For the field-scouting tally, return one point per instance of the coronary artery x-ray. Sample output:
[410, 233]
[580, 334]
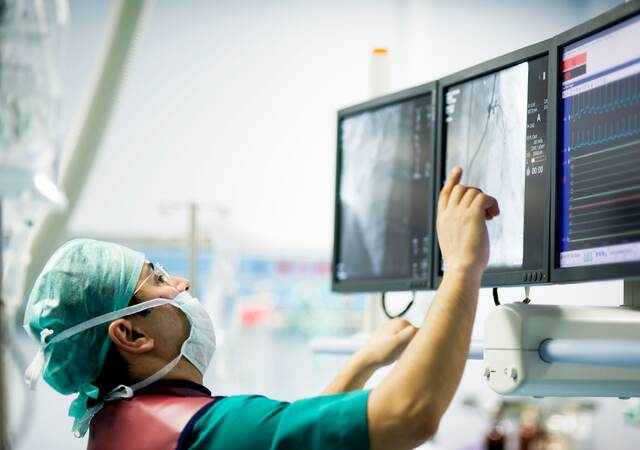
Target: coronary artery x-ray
[486, 128]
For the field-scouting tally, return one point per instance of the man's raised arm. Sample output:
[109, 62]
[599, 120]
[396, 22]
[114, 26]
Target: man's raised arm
[406, 408]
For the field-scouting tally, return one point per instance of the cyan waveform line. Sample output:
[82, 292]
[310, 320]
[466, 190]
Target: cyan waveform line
[604, 109]
[613, 137]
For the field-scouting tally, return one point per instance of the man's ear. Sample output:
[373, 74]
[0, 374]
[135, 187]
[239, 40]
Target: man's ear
[129, 338]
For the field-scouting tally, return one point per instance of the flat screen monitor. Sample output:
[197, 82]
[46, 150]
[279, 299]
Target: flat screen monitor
[383, 233]
[494, 125]
[597, 222]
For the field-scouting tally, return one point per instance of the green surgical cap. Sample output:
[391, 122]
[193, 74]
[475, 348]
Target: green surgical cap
[83, 279]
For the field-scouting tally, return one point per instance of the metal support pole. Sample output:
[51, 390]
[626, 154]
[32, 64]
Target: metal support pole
[476, 350]
[371, 313]
[350, 345]
[193, 246]
[597, 352]
[4, 415]
[632, 293]
[592, 352]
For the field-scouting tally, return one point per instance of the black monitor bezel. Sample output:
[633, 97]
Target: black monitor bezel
[518, 277]
[583, 273]
[380, 284]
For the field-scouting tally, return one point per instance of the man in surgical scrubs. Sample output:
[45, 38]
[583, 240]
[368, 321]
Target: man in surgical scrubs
[131, 342]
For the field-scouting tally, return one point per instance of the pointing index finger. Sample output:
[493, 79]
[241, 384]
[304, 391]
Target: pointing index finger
[452, 180]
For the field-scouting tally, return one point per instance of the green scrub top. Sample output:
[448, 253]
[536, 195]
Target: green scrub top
[254, 422]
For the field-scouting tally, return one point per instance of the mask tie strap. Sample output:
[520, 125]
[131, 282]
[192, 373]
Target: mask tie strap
[36, 368]
[108, 317]
[124, 391]
[120, 391]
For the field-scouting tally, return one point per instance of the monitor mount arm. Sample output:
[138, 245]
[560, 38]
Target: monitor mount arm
[552, 350]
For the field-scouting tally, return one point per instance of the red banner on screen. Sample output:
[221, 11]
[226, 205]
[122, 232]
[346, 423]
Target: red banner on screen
[574, 61]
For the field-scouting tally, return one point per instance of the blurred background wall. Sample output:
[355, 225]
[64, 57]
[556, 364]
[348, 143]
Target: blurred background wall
[232, 105]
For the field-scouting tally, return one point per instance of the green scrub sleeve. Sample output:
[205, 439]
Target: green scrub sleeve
[255, 422]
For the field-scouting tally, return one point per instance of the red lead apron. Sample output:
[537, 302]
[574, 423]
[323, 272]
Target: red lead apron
[153, 419]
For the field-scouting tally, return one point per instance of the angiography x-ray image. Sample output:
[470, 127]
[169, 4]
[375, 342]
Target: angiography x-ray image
[486, 126]
[375, 193]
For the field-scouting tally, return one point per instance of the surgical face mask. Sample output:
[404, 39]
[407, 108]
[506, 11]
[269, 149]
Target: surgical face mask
[201, 343]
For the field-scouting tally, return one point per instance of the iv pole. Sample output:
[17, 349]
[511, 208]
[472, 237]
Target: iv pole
[4, 416]
[83, 146]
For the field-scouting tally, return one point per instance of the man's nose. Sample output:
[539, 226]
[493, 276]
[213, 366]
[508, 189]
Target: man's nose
[181, 284]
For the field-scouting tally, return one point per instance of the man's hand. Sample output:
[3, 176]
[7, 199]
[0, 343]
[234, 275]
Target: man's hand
[462, 232]
[385, 346]
[387, 343]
